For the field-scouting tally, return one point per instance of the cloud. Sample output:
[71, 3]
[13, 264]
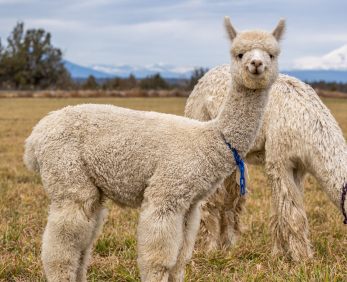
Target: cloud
[182, 32]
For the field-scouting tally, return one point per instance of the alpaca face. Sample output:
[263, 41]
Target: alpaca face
[254, 54]
[255, 67]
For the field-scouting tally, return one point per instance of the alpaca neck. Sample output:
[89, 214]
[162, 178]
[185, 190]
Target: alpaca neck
[329, 166]
[241, 116]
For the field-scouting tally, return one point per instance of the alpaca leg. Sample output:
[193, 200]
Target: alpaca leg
[67, 235]
[233, 209]
[191, 228]
[160, 237]
[213, 217]
[221, 214]
[208, 238]
[85, 254]
[288, 220]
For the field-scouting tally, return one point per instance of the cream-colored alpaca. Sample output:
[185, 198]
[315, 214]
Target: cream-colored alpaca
[166, 164]
[298, 136]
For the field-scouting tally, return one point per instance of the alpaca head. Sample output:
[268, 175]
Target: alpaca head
[254, 55]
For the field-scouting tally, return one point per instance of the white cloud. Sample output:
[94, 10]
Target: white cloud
[182, 69]
[55, 24]
[14, 1]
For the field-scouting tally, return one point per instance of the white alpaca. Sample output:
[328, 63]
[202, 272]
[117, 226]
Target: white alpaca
[298, 136]
[166, 164]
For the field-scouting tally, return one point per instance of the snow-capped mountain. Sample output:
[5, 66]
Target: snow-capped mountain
[123, 70]
[78, 71]
[330, 67]
[335, 60]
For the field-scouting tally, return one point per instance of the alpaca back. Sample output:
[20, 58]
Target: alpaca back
[122, 151]
[299, 110]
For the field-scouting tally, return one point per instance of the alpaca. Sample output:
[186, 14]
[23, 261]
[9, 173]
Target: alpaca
[298, 136]
[164, 163]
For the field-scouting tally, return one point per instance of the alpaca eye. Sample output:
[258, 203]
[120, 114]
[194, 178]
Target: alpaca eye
[240, 56]
[271, 56]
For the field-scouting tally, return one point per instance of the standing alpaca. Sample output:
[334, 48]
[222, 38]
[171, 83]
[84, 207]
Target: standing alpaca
[166, 164]
[298, 136]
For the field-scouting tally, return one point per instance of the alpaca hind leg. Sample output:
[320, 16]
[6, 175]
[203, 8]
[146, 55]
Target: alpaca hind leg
[191, 228]
[288, 220]
[160, 237]
[214, 220]
[68, 233]
[221, 224]
[208, 238]
[85, 254]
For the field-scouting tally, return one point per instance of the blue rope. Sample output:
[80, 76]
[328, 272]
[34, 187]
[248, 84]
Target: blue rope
[241, 165]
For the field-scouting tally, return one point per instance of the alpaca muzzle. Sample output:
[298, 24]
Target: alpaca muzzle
[256, 66]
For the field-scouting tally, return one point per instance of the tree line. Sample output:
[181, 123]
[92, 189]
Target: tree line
[155, 82]
[329, 86]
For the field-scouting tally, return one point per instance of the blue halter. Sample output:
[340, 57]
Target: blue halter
[241, 165]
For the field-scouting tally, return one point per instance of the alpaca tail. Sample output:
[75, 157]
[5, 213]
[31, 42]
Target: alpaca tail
[29, 158]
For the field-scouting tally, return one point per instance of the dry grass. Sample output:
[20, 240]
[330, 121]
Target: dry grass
[24, 206]
[330, 94]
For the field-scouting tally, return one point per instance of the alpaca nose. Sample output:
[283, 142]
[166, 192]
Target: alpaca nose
[257, 63]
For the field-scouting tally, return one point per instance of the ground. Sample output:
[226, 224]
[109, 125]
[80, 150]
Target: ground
[24, 207]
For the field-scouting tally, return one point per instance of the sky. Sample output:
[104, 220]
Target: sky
[181, 33]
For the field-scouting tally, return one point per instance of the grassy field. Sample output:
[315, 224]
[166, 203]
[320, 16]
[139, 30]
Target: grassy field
[24, 207]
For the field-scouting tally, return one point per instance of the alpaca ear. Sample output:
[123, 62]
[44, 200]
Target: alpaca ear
[231, 31]
[279, 30]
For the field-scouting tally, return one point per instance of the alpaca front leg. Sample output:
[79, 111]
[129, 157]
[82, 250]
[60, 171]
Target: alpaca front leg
[160, 237]
[68, 233]
[288, 220]
[191, 228]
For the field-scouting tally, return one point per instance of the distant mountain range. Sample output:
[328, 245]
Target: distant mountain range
[78, 71]
[165, 70]
[330, 67]
[107, 71]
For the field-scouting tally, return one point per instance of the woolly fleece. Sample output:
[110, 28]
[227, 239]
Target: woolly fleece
[298, 136]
